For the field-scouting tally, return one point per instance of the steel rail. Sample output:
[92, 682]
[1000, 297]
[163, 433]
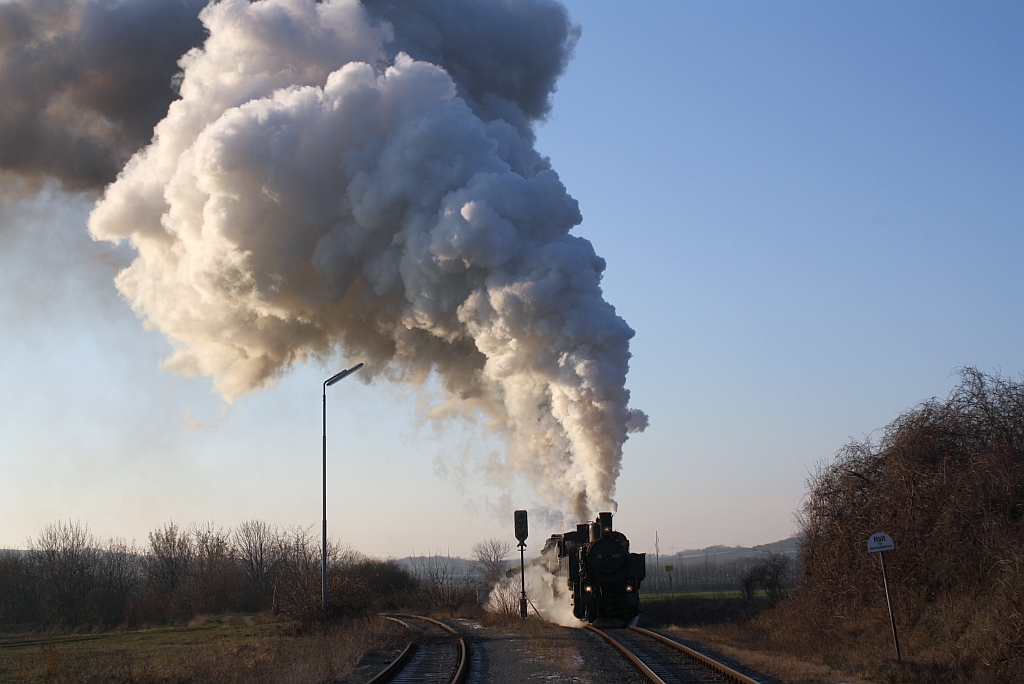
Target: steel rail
[639, 664]
[710, 662]
[462, 665]
[396, 664]
[432, 621]
[394, 619]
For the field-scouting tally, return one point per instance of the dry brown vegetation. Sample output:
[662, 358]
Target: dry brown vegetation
[946, 481]
[227, 650]
[71, 606]
[68, 580]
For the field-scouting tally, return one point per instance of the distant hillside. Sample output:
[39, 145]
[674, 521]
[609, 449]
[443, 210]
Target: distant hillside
[725, 554]
[713, 554]
[446, 565]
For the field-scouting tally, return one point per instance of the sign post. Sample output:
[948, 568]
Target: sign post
[879, 543]
[522, 532]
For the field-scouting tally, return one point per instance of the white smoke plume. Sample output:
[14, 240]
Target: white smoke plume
[548, 594]
[551, 596]
[313, 190]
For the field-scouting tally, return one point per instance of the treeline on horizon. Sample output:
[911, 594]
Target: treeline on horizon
[68, 579]
[771, 572]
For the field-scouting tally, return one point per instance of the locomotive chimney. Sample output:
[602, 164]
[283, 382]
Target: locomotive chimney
[606, 522]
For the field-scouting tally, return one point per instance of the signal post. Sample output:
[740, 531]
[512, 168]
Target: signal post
[522, 532]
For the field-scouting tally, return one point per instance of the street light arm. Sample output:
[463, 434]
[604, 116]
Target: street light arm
[342, 375]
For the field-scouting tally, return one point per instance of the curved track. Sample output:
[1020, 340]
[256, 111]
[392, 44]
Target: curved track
[436, 655]
[665, 661]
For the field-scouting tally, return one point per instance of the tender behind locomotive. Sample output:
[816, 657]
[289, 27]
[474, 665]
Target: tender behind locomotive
[603, 577]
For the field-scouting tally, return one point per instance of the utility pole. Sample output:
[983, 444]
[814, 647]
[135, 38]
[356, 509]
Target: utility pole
[657, 563]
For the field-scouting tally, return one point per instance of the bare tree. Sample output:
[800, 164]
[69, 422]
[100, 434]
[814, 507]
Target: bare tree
[254, 543]
[67, 561]
[18, 589]
[166, 567]
[212, 577]
[774, 574]
[491, 558]
[749, 573]
[118, 579]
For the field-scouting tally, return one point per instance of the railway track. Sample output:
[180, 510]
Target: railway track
[437, 654]
[664, 661]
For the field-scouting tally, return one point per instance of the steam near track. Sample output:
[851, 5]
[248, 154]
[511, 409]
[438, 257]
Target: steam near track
[362, 178]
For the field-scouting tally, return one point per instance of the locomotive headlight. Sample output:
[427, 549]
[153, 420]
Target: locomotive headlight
[588, 589]
[629, 587]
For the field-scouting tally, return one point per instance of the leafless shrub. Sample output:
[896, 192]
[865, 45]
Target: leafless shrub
[298, 577]
[385, 584]
[504, 597]
[443, 584]
[946, 481]
[769, 573]
[297, 574]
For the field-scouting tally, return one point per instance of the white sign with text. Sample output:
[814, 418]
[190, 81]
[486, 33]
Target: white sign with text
[880, 541]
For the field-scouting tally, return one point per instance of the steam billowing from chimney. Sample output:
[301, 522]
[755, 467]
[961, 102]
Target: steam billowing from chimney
[362, 178]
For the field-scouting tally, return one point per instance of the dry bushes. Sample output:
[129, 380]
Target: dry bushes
[444, 585]
[258, 654]
[946, 481]
[69, 580]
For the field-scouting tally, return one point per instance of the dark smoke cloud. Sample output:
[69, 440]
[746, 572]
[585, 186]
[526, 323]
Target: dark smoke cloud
[505, 55]
[82, 84]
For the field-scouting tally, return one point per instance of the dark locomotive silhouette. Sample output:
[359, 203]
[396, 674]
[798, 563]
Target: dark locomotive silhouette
[603, 577]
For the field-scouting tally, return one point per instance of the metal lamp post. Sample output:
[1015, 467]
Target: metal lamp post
[323, 568]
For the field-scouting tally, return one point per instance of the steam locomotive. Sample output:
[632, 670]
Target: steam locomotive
[601, 574]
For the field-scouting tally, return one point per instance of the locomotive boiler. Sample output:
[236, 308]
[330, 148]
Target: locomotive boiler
[602, 576]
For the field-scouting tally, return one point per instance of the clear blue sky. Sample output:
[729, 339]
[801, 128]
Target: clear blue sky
[812, 213]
